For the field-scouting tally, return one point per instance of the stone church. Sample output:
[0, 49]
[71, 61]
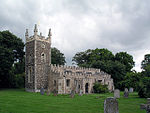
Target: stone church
[40, 73]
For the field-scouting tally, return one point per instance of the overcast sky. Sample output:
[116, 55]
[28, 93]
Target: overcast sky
[78, 25]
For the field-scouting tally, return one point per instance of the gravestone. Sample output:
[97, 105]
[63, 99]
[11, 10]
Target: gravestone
[126, 89]
[131, 90]
[80, 93]
[146, 106]
[117, 93]
[72, 93]
[55, 92]
[42, 91]
[126, 93]
[111, 105]
[148, 100]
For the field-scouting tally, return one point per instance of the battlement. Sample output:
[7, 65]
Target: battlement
[38, 37]
[79, 71]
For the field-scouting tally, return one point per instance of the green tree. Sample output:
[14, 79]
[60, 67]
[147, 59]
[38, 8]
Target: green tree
[125, 59]
[132, 79]
[144, 89]
[82, 58]
[57, 57]
[90, 57]
[144, 85]
[146, 61]
[11, 51]
[104, 59]
[146, 71]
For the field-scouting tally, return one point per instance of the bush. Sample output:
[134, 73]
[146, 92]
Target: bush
[19, 80]
[99, 88]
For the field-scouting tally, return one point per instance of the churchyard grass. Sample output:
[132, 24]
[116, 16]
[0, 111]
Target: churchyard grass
[19, 101]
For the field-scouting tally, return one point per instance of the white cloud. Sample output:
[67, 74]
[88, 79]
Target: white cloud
[83, 24]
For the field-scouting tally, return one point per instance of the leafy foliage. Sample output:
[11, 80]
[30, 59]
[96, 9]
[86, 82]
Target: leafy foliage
[57, 57]
[116, 65]
[132, 79]
[144, 89]
[146, 71]
[126, 60]
[146, 61]
[11, 52]
[99, 88]
[144, 84]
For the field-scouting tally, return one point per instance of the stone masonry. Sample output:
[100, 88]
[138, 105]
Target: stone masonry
[40, 73]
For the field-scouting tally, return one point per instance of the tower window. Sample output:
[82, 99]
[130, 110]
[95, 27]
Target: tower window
[30, 58]
[43, 57]
[68, 82]
[29, 74]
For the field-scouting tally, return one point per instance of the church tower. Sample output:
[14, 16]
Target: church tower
[37, 60]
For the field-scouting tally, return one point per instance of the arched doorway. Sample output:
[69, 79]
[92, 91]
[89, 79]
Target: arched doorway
[86, 88]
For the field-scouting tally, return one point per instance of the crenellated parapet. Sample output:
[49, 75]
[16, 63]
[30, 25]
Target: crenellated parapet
[38, 37]
[64, 70]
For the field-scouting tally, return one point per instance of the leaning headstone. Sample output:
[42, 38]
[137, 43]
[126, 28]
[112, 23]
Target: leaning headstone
[131, 90]
[117, 93]
[80, 93]
[72, 93]
[111, 105]
[126, 93]
[42, 91]
[146, 106]
[55, 92]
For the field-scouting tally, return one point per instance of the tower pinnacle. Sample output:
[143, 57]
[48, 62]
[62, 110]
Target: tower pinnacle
[26, 33]
[49, 34]
[35, 29]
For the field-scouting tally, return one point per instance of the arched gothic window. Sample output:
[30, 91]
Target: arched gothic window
[54, 82]
[68, 82]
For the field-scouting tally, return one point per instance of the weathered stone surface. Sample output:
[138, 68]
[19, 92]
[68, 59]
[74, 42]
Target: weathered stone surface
[148, 100]
[80, 93]
[42, 91]
[117, 93]
[111, 105]
[48, 92]
[126, 93]
[131, 90]
[126, 90]
[72, 93]
[146, 106]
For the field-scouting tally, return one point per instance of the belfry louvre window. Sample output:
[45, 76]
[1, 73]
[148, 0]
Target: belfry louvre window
[43, 57]
[29, 74]
[68, 82]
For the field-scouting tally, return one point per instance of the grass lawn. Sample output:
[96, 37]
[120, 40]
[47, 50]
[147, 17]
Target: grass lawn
[19, 101]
